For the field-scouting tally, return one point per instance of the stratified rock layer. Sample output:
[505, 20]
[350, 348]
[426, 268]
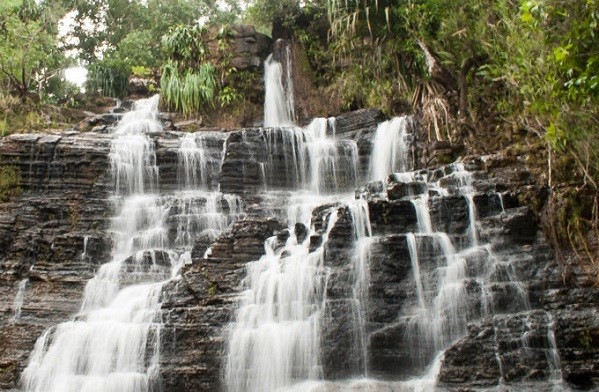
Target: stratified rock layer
[64, 204]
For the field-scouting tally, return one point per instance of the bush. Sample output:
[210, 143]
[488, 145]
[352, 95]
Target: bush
[109, 77]
[190, 90]
[10, 178]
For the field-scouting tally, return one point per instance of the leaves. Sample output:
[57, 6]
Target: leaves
[184, 43]
[188, 91]
[29, 55]
[109, 77]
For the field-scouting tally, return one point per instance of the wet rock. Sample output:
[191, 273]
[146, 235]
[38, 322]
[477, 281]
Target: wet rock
[198, 306]
[53, 233]
[522, 227]
[402, 189]
[352, 122]
[202, 243]
[450, 214]
[301, 232]
[396, 216]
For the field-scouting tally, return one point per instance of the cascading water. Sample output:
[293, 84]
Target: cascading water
[113, 344]
[275, 342]
[198, 203]
[18, 302]
[391, 148]
[279, 108]
[428, 251]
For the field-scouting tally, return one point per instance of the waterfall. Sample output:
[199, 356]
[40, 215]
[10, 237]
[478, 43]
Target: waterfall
[198, 204]
[320, 270]
[113, 343]
[18, 301]
[390, 151]
[274, 342]
[279, 106]
[312, 160]
[275, 338]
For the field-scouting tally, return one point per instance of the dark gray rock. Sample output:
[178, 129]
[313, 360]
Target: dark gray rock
[62, 205]
[199, 306]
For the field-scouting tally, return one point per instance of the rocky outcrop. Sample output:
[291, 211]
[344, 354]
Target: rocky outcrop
[200, 304]
[54, 235]
[246, 48]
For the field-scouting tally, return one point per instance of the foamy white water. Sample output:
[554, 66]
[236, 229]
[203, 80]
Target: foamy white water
[18, 301]
[275, 340]
[113, 344]
[391, 151]
[279, 108]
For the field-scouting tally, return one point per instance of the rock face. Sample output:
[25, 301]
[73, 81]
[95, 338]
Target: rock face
[201, 304]
[247, 48]
[54, 235]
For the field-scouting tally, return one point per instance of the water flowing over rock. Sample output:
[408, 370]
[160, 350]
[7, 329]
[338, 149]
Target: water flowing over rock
[279, 109]
[317, 258]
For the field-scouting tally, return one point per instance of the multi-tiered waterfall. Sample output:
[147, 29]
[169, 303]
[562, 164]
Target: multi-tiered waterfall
[113, 344]
[377, 272]
[276, 342]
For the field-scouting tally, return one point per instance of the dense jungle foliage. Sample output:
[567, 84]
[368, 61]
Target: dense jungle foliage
[513, 75]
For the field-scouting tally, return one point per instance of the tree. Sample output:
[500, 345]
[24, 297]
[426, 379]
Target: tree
[29, 53]
[134, 28]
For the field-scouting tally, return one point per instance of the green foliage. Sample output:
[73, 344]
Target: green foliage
[189, 82]
[62, 92]
[109, 77]
[10, 178]
[29, 55]
[141, 71]
[228, 96]
[263, 13]
[184, 44]
[188, 91]
[138, 48]
[137, 26]
[212, 289]
[4, 127]
[357, 88]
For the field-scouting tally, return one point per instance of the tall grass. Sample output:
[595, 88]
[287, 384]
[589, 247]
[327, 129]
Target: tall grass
[109, 77]
[189, 91]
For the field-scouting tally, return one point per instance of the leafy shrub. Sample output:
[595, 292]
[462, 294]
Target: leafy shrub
[109, 77]
[10, 177]
[141, 71]
[188, 91]
[184, 44]
[229, 95]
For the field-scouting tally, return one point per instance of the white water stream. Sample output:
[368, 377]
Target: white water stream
[18, 301]
[275, 340]
[274, 343]
[113, 344]
[279, 110]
